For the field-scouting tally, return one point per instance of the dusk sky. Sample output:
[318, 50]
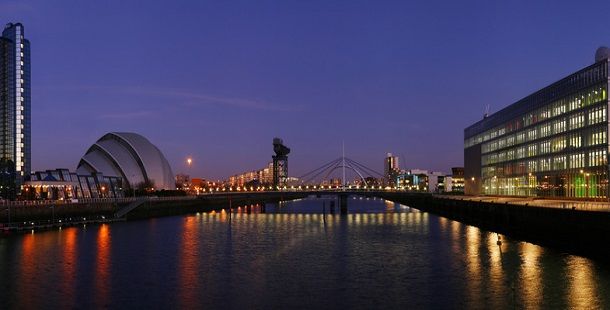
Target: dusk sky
[217, 80]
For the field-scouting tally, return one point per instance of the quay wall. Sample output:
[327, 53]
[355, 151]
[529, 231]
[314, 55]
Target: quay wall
[41, 211]
[574, 231]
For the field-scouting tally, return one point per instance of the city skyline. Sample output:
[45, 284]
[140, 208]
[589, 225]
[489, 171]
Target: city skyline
[221, 104]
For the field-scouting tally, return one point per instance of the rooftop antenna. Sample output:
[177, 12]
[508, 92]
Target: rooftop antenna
[486, 111]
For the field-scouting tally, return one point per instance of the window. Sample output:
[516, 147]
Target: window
[531, 166]
[559, 108]
[559, 162]
[521, 152]
[598, 138]
[501, 156]
[575, 141]
[545, 113]
[597, 115]
[531, 135]
[545, 130]
[558, 144]
[545, 147]
[521, 137]
[575, 103]
[531, 150]
[597, 158]
[559, 126]
[577, 160]
[577, 121]
[544, 164]
[501, 143]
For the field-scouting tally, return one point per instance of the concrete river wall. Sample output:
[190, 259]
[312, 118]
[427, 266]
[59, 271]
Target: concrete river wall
[566, 229]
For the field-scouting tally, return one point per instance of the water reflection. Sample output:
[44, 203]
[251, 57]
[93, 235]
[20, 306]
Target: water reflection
[583, 292]
[102, 270]
[497, 278]
[68, 264]
[473, 263]
[530, 276]
[387, 256]
[27, 270]
[188, 261]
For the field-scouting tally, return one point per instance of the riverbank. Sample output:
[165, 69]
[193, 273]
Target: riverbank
[41, 215]
[571, 230]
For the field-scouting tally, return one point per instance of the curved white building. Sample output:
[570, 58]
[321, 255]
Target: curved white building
[130, 156]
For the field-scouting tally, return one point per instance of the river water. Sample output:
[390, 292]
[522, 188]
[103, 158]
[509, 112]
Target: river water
[382, 255]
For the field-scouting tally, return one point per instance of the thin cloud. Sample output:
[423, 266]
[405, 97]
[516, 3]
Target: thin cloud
[206, 99]
[193, 98]
[12, 7]
[127, 115]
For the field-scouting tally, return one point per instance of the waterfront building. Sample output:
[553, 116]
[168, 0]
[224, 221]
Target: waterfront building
[444, 184]
[61, 184]
[456, 180]
[131, 157]
[391, 168]
[420, 180]
[553, 142]
[413, 181]
[15, 101]
[262, 177]
[183, 181]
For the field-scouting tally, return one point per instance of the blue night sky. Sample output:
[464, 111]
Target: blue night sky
[217, 80]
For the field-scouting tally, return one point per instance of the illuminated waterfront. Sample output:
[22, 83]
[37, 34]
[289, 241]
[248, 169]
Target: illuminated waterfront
[382, 255]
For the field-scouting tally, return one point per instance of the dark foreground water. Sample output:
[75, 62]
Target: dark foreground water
[383, 256]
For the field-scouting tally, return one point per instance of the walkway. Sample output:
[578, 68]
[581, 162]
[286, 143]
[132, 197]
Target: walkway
[601, 206]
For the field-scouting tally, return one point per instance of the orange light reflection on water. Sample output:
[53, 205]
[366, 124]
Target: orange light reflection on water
[102, 269]
[530, 278]
[473, 262]
[497, 283]
[27, 265]
[188, 260]
[583, 292]
[69, 256]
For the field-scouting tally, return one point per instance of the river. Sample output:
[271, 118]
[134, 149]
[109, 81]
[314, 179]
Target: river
[382, 255]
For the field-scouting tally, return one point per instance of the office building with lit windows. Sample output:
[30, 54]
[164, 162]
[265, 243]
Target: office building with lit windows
[391, 169]
[15, 114]
[552, 143]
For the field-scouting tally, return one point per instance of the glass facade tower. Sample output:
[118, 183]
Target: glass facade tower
[552, 143]
[15, 100]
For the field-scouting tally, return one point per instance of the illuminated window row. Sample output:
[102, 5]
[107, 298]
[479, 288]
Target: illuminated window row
[595, 116]
[595, 158]
[555, 109]
[572, 141]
